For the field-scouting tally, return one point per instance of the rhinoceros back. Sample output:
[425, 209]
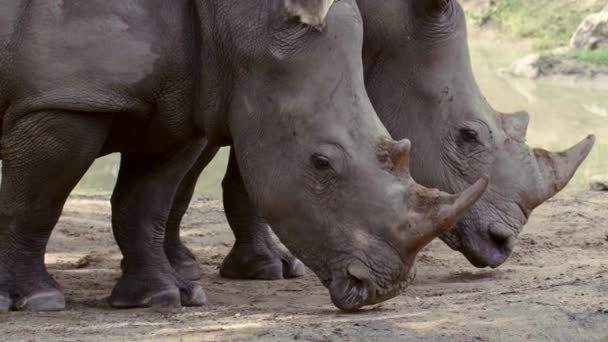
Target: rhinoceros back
[124, 57]
[95, 55]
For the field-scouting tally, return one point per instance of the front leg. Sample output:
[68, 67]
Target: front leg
[256, 254]
[44, 155]
[141, 203]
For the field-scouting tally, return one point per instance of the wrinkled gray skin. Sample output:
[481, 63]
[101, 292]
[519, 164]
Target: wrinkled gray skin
[419, 77]
[158, 81]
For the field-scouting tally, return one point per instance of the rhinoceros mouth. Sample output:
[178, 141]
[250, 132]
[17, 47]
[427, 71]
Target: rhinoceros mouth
[350, 293]
[491, 249]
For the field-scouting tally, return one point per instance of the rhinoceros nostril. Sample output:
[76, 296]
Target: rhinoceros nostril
[357, 289]
[503, 238]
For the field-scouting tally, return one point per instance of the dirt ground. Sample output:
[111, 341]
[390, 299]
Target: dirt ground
[554, 288]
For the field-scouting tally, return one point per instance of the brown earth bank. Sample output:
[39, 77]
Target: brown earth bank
[554, 288]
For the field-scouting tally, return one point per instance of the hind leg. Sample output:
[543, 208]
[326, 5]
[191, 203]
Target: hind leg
[141, 204]
[44, 156]
[180, 257]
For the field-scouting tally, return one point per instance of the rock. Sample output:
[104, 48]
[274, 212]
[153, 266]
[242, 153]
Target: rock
[599, 183]
[528, 67]
[592, 33]
[86, 261]
[555, 63]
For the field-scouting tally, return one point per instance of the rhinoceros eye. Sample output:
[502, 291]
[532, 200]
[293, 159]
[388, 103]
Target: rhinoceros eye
[469, 136]
[320, 162]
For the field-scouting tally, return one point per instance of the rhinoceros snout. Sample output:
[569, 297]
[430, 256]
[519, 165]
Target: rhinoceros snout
[491, 249]
[503, 237]
[358, 287]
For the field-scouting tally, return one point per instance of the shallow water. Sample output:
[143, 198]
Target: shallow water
[562, 113]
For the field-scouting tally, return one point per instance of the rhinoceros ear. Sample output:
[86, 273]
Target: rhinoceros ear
[310, 12]
[516, 125]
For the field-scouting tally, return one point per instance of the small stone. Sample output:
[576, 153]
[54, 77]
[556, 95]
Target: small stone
[85, 261]
[237, 315]
[599, 183]
[527, 67]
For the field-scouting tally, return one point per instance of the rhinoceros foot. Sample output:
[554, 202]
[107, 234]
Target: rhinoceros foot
[142, 289]
[261, 261]
[43, 300]
[182, 260]
[29, 288]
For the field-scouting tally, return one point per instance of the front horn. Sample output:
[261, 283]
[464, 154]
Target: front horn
[428, 212]
[556, 169]
[433, 212]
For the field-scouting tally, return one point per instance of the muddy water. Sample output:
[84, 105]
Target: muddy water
[562, 111]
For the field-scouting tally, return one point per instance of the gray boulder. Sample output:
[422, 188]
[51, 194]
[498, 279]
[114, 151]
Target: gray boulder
[592, 33]
[599, 183]
[555, 63]
[530, 66]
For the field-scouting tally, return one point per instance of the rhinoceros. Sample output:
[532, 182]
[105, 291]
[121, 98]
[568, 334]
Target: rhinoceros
[418, 75]
[281, 81]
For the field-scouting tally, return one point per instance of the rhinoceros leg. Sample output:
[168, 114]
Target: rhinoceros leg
[44, 156]
[180, 257]
[141, 204]
[255, 254]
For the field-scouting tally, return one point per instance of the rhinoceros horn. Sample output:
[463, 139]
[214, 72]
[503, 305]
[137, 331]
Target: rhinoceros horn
[557, 169]
[428, 212]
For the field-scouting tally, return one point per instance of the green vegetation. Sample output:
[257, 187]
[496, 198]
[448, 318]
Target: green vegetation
[548, 23]
[599, 56]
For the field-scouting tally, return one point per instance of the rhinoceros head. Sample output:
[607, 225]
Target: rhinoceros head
[419, 78]
[315, 159]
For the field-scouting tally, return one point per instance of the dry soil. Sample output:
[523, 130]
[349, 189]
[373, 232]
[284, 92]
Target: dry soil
[554, 288]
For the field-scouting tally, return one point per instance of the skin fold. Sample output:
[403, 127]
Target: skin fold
[166, 82]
